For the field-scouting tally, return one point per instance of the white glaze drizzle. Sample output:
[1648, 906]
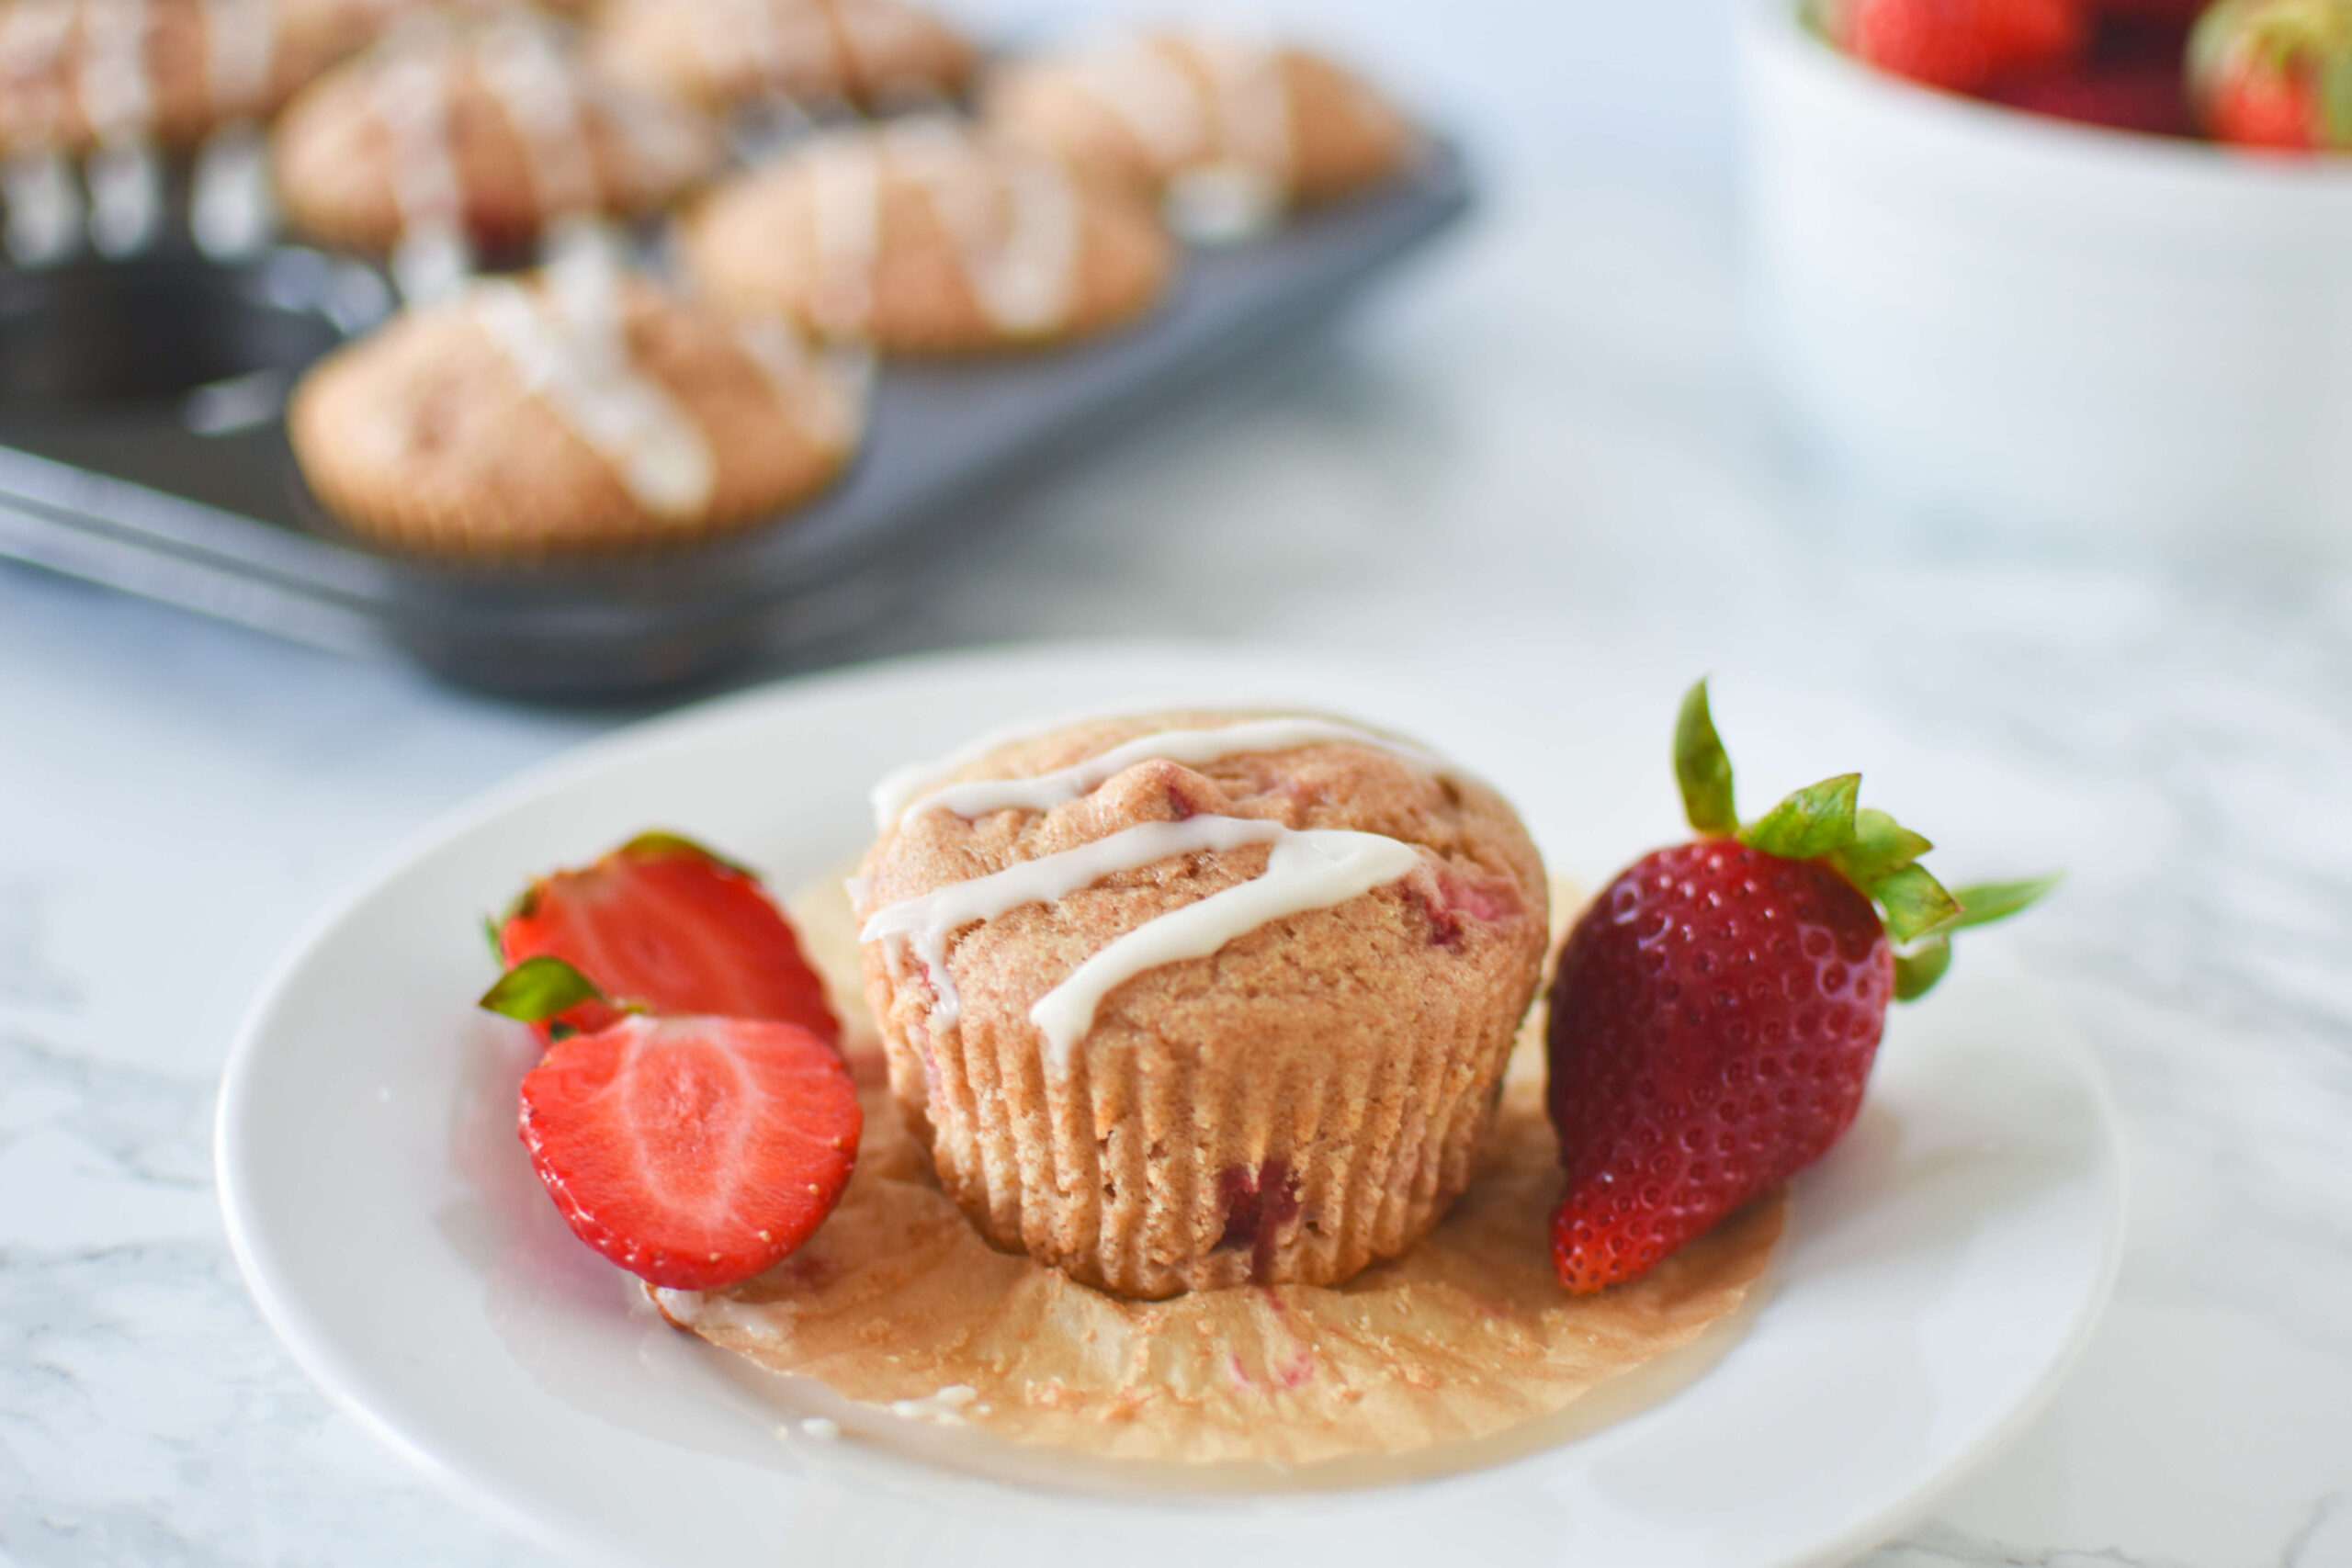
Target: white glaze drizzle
[1251, 92]
[924, 923]
[1152, 96]
[824, 398]
[568, 345]
[44, 208]
[125, 175]
[774, 33]
[411, 98]
[1013, 220]
[126, 181]
[896, 799]
[517, 59]
[1305, 869]
[232, 210]
[1239, 114]
[1308, 869]
[117, 97]
[240, 48]
[845, 214]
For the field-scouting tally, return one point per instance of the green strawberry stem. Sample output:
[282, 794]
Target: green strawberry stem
[1867, 847]
[661, 841]
[538, 989]
[1702, 767]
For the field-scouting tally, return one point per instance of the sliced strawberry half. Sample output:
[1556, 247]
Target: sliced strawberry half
[666, 925]
[693, 1152]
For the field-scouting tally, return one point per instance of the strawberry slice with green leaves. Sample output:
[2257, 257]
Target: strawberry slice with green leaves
[1716, 1010]
[694, 1152]
[673, 928]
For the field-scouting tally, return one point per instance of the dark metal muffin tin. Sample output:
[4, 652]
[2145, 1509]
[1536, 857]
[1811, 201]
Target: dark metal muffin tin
[140, 448]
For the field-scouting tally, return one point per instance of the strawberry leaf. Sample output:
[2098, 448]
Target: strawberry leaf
[662, 842]
[1982, 903]
[1881, 847]
[1915, 902]
[489, 928]
[1703, 768]
[1817, 820]
[1917, 971]
[539, 988]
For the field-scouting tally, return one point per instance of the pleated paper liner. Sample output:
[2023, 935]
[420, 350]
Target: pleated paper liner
[1463, 1351]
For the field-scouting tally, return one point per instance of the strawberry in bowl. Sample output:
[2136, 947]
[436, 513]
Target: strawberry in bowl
[1716, 1009]
[2275, 74]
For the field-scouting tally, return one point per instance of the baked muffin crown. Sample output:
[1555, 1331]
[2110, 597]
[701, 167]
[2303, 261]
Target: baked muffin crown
[719, 53]
[923, 236]
[480, 130]
[80, 73]
[563, 414]
[1230, 129]
[1292, 946]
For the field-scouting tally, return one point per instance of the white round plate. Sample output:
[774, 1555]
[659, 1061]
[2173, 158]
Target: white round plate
[1941, 1269]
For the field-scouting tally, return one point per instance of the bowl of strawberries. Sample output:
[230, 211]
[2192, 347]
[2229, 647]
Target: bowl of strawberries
[2064, 271]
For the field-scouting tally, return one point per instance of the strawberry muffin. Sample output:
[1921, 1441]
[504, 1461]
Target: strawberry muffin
[718, 53]
[1229, 132]
[919, 237]
[458, 134]
[79, 75]
[583, 409]
[1201, 1000]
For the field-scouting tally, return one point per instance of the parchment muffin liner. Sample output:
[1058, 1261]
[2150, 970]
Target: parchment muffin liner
[1316, 1163]
[900, 1303]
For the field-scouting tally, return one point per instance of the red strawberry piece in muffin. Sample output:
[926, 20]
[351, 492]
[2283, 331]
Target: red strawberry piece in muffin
[1715, 1011]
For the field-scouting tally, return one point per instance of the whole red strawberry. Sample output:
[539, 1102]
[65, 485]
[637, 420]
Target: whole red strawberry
[665, 924]
[1958, 45]
[1716, 1010]
[2275, 74]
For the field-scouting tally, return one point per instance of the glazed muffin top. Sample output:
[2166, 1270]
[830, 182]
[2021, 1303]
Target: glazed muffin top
[580, 410]
[1199, 875]
[1230, 129]
[80, 73]
[482, 129]
[717, 53]
[921, 236]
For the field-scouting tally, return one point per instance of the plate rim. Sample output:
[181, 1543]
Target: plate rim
[314, 1348]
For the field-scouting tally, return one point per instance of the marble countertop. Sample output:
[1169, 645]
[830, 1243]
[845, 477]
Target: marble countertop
[1539, 461]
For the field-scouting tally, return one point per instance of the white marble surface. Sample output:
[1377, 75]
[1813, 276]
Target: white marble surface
[1539, 461]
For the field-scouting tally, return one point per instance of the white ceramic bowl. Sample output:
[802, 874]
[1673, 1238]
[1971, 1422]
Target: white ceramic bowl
[2029, 329]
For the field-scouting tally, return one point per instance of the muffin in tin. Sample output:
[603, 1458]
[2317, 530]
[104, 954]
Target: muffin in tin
[476, 133]
[921, 236]
[818, 53]
[1198, 999]
[75, 74]
[578, 410]
[1232, 132]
